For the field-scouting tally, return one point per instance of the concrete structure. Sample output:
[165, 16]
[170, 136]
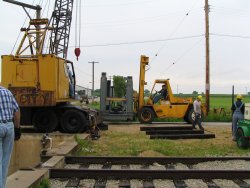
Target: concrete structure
[29, 147]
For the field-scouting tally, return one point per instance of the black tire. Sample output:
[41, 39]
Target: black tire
[73, 121]
[190, 117]
[242, 141]
[146, 115]
[45, 121]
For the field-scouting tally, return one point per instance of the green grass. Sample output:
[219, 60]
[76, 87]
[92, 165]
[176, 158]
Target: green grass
[114, 143]
[224, 101]
[45, 183]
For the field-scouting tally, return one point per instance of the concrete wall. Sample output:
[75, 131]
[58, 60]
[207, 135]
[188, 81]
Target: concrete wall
[26, 151]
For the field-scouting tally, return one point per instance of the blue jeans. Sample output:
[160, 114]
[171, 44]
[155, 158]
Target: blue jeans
[236, 118]
[197, 120]
[6, 145]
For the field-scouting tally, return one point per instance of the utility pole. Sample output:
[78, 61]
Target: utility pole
[93, 76]
[207, 57]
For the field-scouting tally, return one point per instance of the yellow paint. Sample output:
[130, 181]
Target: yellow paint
[174, 107]
[46, 73]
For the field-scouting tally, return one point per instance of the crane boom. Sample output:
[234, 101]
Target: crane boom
[61, 23]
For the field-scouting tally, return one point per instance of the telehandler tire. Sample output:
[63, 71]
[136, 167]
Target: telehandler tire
[45, 121]
[190, 117]
[146, 115]
[73, 121]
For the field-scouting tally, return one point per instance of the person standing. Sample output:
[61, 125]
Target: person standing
[197, 111]
[9, 118]
[238, 109]
[71, 82]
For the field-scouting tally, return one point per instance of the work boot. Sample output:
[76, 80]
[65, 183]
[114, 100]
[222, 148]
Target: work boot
[201, 128]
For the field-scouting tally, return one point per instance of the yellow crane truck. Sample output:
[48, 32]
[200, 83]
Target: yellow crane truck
[172, 107]
[39, 80]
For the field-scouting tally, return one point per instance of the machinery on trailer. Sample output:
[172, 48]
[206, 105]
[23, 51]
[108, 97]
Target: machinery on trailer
[148, 109]
[40, 81]
[243, 130]
[113, 108]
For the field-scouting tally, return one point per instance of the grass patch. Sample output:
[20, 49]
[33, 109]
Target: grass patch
[136, 143]
[45, 183]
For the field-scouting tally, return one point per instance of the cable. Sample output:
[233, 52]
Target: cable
[181, 56]
[129, 21]
[76, 23]
[80, 16]
[120, 4]
[139, 42]
[228, 35]
[175, 30]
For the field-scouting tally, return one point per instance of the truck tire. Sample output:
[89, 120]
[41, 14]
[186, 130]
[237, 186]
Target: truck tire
[190, 117]
[73, 121]
[146, 115]
[242, 142]
[45, 121]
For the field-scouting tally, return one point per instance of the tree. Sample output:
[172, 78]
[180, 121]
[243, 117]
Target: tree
[119, 86]
[195, 93]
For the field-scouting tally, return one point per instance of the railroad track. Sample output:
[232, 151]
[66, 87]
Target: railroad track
[151, 172]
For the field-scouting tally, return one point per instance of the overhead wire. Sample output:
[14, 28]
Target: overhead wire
[140, 42]
[119, 4]
[175, 30]
[229, 35]
[182, 55]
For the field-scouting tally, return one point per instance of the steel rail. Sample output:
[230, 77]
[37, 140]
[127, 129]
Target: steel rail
[149, 174]
[146, 160]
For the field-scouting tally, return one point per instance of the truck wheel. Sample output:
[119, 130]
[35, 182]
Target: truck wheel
[45, 121]
[190, 117]
[242, 142]
[73, 121]
[146, 115]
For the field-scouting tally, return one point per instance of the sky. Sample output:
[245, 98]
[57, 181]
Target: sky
[116, 33]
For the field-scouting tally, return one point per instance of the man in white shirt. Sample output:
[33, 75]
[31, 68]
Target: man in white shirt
[197, 111]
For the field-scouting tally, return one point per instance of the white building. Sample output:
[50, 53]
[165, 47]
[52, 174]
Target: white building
[83, 90]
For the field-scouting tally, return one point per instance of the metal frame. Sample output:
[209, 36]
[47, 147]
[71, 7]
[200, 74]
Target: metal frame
[61, 22]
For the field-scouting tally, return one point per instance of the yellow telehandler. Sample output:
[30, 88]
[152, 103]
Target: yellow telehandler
[171, 107]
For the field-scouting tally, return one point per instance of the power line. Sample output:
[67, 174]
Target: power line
[139, 42]
[176, 29]
[229, 35]
[119, 4]
[181, 56]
